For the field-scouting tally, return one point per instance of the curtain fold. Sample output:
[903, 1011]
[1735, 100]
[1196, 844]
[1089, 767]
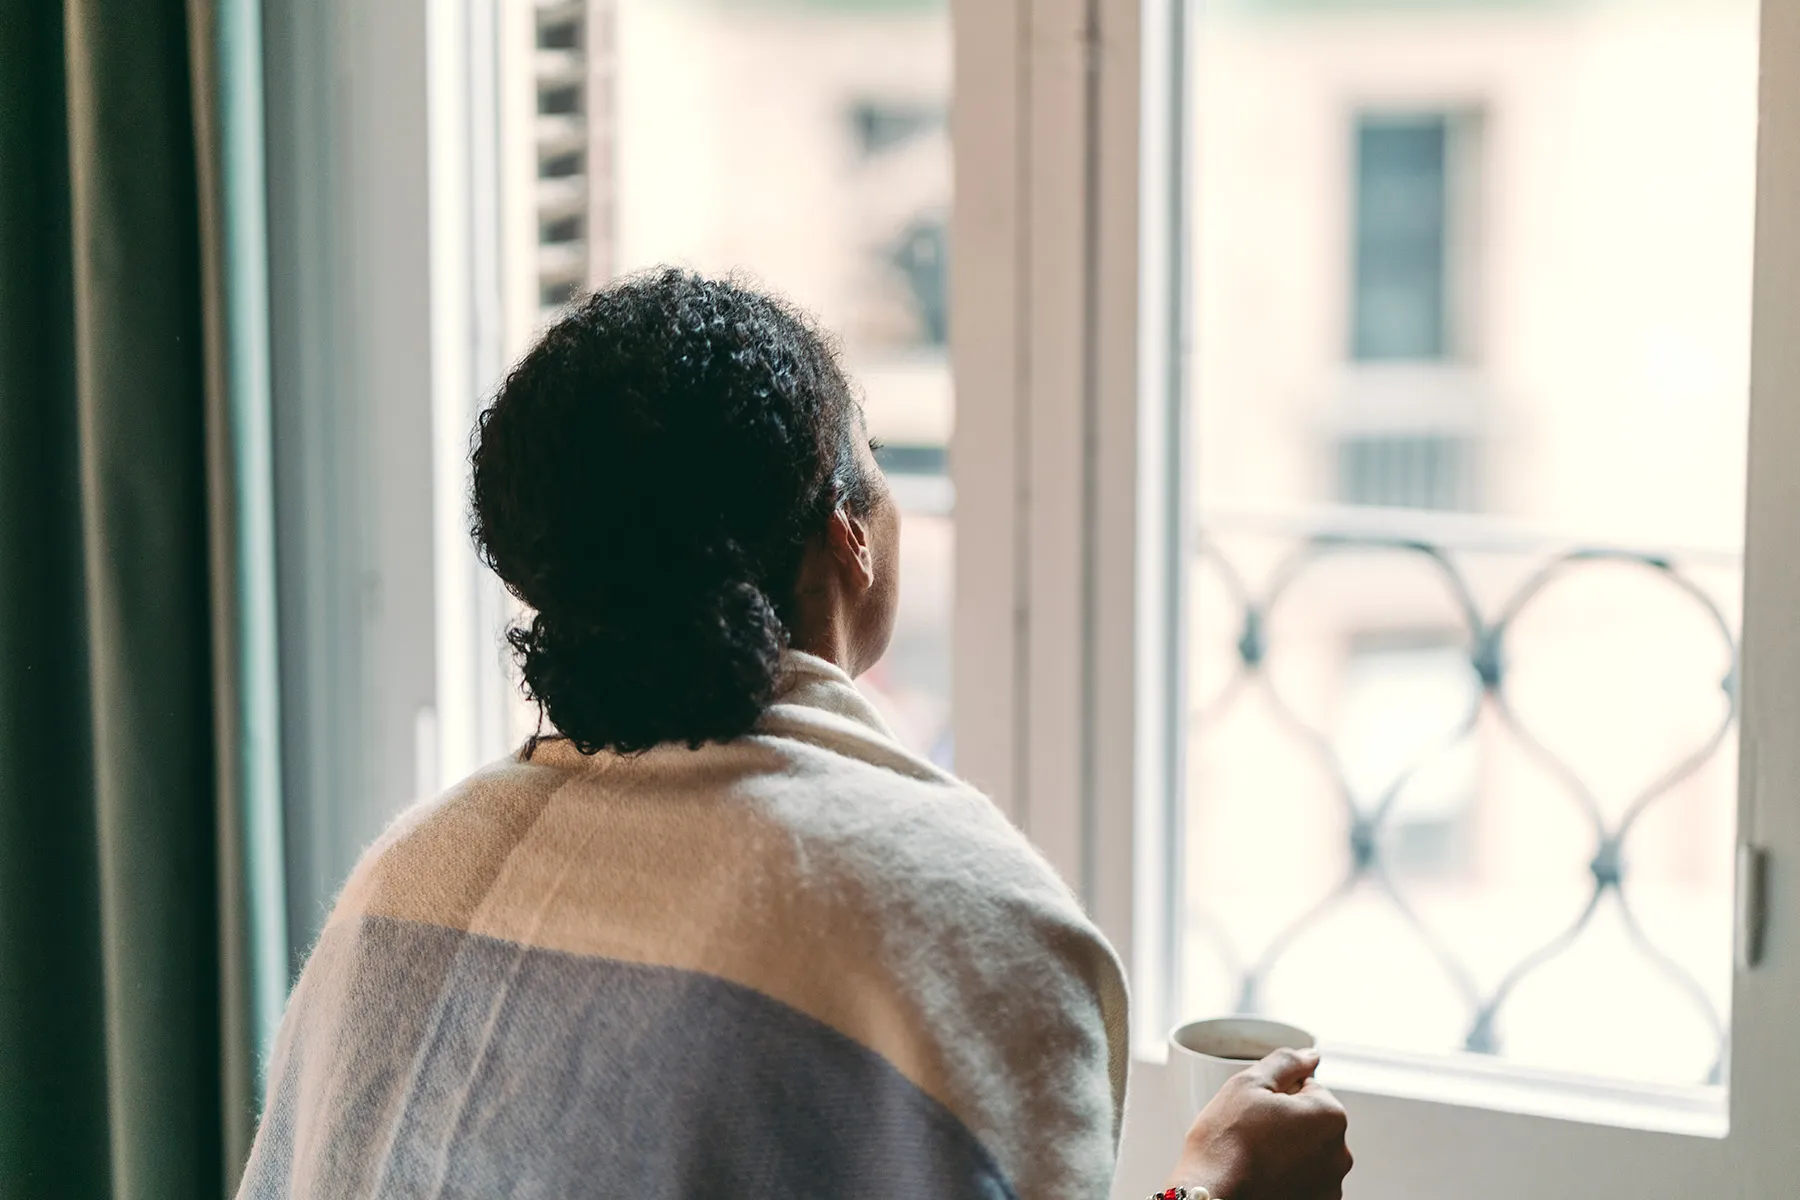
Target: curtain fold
[225, 53]
[53, 1129]
[135, 733]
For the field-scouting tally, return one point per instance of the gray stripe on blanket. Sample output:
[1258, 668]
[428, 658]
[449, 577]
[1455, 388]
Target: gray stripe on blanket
[462, 1065]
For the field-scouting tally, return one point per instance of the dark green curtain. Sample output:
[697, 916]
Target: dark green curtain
[127, 1012]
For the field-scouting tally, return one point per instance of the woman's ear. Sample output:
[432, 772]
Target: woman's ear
[848, 537]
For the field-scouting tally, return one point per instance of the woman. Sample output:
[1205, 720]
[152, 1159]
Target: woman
[716, 933]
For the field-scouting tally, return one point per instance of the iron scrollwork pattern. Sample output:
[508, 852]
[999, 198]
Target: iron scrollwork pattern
[1487, 645]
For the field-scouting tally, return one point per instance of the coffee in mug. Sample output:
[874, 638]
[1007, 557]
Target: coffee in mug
[1204, 1054]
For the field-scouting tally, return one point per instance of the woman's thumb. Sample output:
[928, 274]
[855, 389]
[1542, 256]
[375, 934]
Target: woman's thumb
[1287, 1070]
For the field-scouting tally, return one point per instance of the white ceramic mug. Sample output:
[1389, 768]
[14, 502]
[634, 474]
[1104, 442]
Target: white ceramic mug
[1204, 1054]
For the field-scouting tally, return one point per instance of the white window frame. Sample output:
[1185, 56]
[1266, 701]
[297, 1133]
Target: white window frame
[1067, 313]
[350, 173]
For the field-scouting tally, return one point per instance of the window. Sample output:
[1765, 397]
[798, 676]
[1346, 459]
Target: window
[1461, 782]
[1449, 770]
[881, 127]
[1402, 250]
[1573, 740]
[890, 138]
[920, 253]
[1345, 545]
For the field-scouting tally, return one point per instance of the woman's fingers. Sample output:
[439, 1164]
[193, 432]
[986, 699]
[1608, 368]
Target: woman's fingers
[1286, 1070]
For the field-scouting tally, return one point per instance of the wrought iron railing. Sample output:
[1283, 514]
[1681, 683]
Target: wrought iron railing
[1443, 545]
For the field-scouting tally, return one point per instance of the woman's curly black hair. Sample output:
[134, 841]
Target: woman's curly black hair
[647, 480]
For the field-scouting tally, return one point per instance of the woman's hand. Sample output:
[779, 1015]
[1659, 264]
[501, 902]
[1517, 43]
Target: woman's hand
[1272, 1133]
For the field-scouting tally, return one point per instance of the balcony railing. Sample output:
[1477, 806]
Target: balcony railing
[1494, 584]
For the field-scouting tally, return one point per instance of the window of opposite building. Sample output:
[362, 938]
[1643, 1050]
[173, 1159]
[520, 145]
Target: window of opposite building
[1400, 291]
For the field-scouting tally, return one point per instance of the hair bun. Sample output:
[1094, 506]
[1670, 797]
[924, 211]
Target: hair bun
[706, 665]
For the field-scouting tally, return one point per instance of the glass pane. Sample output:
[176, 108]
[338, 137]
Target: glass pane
[801, 143]
[1401, 236]
[1471, 302]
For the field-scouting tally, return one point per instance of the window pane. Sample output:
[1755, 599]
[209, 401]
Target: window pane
[1471, 302]
[803, 143]
[1400, 236]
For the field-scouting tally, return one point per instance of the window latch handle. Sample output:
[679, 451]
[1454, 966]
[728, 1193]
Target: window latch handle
[1752, 905]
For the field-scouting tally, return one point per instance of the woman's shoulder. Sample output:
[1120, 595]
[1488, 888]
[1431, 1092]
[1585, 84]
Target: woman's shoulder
[917, 847]
[436, 858]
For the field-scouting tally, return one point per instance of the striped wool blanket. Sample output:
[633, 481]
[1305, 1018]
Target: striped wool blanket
[805, 963]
